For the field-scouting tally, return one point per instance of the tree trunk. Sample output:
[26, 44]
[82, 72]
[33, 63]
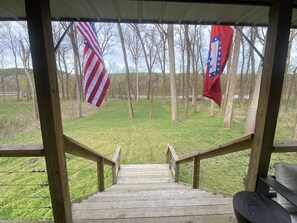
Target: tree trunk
[294, 137]
[73, 38]
[151, 96]
[253, 65]
[61, 76]
[251, 117]
[292, 81]
[174, 112]
[246, 79]
[292, 85]
[287, 79]
[137, 81]
[212, 107]
[229, 100]
[195, 74]
[241, 89]
[3, 89]
[188, 50]
[31, 83]
[17, 77]
[130, 107]
[229, 63]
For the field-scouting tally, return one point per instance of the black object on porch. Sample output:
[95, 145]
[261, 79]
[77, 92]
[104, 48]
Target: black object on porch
[251, 207]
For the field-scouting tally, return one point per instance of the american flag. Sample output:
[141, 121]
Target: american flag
[96, 79]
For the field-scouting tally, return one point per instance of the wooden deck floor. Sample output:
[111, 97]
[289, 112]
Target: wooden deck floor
[147, 193]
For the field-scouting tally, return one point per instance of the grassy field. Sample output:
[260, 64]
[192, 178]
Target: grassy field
[143, 140]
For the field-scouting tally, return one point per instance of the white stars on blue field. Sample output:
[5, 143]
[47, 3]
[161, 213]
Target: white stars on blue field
[214, 56]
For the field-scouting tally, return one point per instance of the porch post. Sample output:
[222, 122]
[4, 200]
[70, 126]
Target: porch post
[271, 88]
[45, 74]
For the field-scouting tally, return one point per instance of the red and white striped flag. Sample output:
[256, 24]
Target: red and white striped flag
[96, 79]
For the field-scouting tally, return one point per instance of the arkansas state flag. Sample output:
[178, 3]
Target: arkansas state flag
[219, 48]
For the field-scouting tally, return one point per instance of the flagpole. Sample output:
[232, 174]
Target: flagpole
[250, 42]
[62, 37]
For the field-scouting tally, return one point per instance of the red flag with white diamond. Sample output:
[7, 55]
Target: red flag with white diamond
[219, 49]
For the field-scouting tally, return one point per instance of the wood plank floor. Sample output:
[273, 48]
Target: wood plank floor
[148, 194]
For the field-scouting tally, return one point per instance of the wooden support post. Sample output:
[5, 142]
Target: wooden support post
[45, 75]
[100, 172]
[176, 176]
[169, 160]
[114, 173]
[196, 172]
[271, 88]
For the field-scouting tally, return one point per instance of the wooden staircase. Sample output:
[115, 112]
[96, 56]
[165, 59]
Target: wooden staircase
[148, 193]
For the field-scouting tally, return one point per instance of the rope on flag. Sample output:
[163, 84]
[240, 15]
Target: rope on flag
[219, 49]
[96, 79]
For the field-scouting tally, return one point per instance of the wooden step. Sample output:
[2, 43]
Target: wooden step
[149, 203]
[153, 212]
[148, 193]
[215, 218]
[151, 195]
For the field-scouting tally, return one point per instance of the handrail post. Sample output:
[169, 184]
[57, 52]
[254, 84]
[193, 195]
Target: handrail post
[176, 177]
[196, 171]
[114, 174]
[119, 160]
[169, 160]
[117, 164]
[100, 173]
[168, 157]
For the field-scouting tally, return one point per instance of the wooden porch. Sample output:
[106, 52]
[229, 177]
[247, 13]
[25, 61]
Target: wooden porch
[38, 15]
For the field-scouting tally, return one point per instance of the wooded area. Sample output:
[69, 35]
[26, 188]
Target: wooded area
[160, 61]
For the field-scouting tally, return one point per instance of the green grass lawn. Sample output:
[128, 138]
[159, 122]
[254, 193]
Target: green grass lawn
[143, 140]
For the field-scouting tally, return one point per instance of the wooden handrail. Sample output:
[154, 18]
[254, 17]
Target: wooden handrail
[171, 159]
[115, 168]
[237, 145]
[21, 150]
[78, 149]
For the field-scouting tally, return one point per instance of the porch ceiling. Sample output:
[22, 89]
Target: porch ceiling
[232, 12]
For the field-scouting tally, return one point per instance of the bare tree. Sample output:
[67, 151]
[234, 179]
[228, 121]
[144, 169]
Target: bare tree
[188, 52]
[77, 70]
[162, 56]
[25, 57]
[241, 87]
[134, 46]
[57, 32]
[14, 47]
[232, 84]
[196, 54]
[149, 51]
[292, 79]
[170, 36]
[2, 73]
[130, 107]
[181, 43]
[106, 33]
[288, 78]
[251, 117]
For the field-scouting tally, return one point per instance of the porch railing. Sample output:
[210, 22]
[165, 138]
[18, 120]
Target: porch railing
[72, 147]
[237, 145]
